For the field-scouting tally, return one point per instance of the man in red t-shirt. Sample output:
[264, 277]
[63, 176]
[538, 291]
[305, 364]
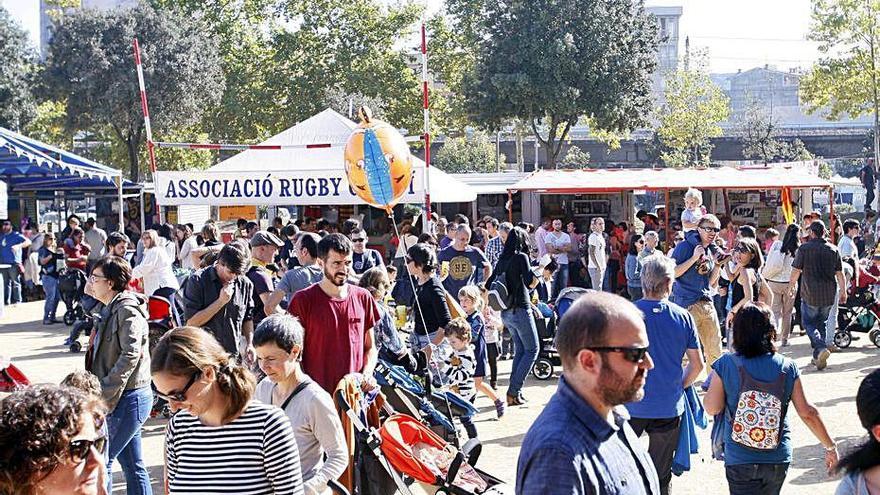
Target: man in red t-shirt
[76, 252]
[338, 319]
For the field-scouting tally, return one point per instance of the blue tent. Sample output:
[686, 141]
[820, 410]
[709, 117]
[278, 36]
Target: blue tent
[29, 165]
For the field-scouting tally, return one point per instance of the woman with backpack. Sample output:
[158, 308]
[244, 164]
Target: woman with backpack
[755, 432]
[513, 264]
[862, 464]
[777, 272]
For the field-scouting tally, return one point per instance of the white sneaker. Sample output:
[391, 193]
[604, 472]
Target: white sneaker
[821, 362]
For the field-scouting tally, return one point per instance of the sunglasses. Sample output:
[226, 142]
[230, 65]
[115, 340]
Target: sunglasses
[632, 354]
[79, 449]
[177, 396]
[357, 240]
[711, 229]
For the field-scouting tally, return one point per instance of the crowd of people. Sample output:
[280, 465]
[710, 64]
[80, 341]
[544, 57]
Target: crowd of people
[270, 324]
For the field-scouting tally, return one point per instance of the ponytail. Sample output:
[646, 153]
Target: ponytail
[238, 384]
[863, 457]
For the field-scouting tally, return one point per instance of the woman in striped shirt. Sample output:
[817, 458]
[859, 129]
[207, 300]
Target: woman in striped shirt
[221, 441]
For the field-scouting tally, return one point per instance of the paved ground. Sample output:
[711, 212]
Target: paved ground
[37, 350]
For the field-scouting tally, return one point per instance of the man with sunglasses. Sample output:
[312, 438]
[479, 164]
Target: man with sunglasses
[673, 335]
[363, 258]
[697, 270]
[582, 442]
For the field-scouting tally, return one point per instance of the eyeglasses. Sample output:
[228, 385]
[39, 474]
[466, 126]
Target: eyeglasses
[632, 354]
[95, 277]
[711, 229]
[357, 240]
[79, 449]
[177, 396]
[408, 258]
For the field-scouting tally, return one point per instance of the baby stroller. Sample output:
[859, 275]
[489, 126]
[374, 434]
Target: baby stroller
[161, 320]
[859, 314]
[84, 323]
[71, 287]
[543, 368]
[405, 446]
[566, 298]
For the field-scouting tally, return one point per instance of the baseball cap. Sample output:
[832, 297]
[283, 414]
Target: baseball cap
[264, 238]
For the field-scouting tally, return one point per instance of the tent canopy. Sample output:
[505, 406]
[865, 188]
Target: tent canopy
[327, 127]
[491, 183]
[615, 180]
[30, 165]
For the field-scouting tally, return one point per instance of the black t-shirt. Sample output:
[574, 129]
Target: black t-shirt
[362, 262]
[867, 175]
[519, 276]
[263, 283]
[432, 300]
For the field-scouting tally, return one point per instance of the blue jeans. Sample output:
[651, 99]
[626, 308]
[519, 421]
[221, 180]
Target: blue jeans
[813, 321]
[525, 343]
[560, 280]
[50, 287]
[12, 284]
[124, 424]
[756, 479]
[831, 323]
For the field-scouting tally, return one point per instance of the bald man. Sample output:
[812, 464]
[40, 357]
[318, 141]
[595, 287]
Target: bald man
[602, 370]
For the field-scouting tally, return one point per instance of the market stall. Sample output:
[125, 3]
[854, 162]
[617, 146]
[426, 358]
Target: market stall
[747, 195]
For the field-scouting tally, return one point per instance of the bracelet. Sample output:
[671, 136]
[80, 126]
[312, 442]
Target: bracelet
[831, 449]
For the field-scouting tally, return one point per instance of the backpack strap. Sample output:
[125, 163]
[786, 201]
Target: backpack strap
[299, 388]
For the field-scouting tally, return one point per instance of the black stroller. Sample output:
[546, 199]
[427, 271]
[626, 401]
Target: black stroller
[548, 357]
[860, 315]
[71, 287]
[84, 323]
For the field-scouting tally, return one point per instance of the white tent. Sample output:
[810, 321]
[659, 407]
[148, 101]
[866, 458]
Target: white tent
[299, 176]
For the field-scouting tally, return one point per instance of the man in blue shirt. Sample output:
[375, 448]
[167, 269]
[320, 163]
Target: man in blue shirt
[466, 265]
[672, 334]
[696, 271]
[11, 245]
[582, 442]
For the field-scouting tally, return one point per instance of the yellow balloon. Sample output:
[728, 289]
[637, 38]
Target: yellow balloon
[378, 162]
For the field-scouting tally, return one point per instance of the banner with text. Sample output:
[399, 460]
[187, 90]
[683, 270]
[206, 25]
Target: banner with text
[309, 187]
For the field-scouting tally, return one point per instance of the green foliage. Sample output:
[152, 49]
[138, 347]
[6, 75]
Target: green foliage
[759, 132]
[689, 118]
[17, 66]
[469, 154]
[347, 47]
[845, 79]
[825, 170]
[551, 62]
[848, 167]
[575, 158]
[48, 125]
[90, 66]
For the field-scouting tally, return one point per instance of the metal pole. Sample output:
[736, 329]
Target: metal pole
[666, 219]
[121, 206]
[151, 147]
[427, 126]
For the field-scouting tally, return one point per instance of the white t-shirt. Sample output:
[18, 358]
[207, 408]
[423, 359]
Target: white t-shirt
[598, 242]
[557, 242]
[692, 216]
[847, 247]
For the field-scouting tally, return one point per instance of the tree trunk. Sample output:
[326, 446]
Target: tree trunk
[520, 159]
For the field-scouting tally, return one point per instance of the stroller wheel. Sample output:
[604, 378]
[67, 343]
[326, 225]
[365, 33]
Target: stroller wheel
[69, 318]
[842, 339]
[543, 369]
[875, 337]
[75, 346]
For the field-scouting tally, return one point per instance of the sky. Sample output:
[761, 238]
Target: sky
[741, 34]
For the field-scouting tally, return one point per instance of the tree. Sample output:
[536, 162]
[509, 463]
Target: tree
[17, 103]
[759, 132]
[689, 118]
[473, 153]
[91, 67]
[575, 158]
[846, 80]
[553, 62]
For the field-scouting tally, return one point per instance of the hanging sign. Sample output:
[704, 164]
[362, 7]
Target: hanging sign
[309, 187]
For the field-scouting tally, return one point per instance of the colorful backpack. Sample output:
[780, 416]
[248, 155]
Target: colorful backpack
[760, 411]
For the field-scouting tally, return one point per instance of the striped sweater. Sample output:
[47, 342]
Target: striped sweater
[253, 454]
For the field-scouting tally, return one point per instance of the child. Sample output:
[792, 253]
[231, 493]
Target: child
[388, 341]
[693, 209]
[87, 382]
[460, 365]
[472, 301]
[490, 334]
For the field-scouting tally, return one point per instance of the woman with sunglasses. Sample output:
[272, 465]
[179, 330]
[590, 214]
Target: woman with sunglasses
[746, 284]
[50, 442]
[219, 422]
[760, 468]
[632, 267]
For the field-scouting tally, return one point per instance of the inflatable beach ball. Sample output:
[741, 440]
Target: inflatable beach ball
[377, 162]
